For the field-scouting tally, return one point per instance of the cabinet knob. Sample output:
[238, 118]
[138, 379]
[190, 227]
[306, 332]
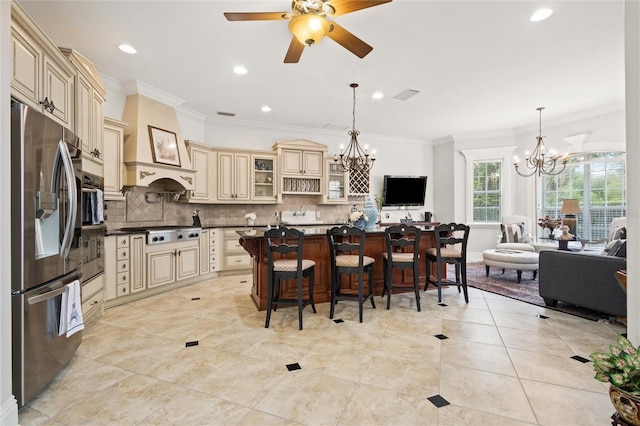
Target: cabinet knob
[124, 266]
[124, 278]
[96, 153]
[124, 241]
[124, 290]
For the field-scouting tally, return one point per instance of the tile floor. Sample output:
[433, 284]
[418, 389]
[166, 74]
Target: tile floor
[500, 364]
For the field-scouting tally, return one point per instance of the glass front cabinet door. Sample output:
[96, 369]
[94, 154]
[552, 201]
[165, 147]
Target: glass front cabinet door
[264, 178]
[337, 180]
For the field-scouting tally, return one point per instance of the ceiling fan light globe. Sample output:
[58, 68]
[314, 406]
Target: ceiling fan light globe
[309, 29]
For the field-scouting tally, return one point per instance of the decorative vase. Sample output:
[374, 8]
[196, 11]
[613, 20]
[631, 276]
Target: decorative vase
[371, 212]
[250, 222]
[359, 223]
[627, 405]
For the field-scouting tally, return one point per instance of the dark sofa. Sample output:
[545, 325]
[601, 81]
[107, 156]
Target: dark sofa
[582, 279]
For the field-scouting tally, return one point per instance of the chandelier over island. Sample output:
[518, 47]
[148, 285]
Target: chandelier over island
[541, 160]
[354, 157]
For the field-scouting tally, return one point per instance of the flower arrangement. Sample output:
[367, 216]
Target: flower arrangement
[357, 215]
[250, 216]
[620, 366]
[548, 222]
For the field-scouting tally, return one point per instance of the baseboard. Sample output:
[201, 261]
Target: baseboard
[9, 411]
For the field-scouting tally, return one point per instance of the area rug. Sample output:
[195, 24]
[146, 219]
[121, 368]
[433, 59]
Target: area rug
[526, 290]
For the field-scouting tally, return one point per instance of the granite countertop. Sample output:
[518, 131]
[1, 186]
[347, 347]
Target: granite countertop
[315, 229]
[258, 231]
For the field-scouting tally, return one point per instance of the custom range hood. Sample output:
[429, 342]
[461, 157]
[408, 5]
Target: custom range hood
[165, 156]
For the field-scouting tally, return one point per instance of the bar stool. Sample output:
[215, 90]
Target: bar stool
[344, 240]
[285, 241]
[450, 248]
[403, 243]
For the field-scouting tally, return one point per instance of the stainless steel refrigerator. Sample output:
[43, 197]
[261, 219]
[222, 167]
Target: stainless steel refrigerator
[45, 251]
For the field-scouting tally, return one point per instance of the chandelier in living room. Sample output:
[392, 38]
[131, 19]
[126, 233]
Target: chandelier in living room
[354, 157]
[541, 160]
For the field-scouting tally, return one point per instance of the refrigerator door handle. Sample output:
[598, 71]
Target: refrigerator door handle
[63, 153]
[46, 296]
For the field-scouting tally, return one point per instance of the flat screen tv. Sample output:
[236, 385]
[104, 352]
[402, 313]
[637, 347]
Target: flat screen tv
[404, 190]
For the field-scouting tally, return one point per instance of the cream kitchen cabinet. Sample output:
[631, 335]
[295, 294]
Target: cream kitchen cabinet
[214, 249]
[203, 166]
[137, 245]
[203, 243]
[301, 163]
[337, 184]
[233, 176]
[301, 166]
[90, 94]
[235, 256]
[168, 263]
[41, 76]
[113, 139]
[341, 184]
[124, 265]
[93, 298]
[264, 178]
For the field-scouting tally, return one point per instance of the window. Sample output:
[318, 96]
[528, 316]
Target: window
[486, 191]
[598, 181]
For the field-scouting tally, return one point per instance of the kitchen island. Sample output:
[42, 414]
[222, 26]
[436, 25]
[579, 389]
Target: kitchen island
[316, 248]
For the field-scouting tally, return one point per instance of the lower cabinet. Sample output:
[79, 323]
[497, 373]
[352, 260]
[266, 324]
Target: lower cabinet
[203, 244]
[124, 265]
[235, 256]
[214, 249]
[93, 298]
[168, 263]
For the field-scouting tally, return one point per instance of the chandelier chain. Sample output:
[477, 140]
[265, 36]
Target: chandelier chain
[354, 158]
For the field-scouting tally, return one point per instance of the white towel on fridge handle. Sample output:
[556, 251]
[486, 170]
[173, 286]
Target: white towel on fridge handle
[71, 310]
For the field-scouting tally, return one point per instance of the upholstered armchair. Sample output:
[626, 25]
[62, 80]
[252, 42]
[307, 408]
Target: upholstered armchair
[515, 234]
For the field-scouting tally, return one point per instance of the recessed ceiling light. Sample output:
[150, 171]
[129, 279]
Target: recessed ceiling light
[378, 95]
[541, 15]
[240, 70]
[127, 48]
[265, 108]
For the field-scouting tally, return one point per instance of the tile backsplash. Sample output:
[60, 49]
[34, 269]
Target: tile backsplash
[144, 208]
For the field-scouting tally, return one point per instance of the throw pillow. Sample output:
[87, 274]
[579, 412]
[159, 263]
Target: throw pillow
[615, 233]
[512, 233]
[617, 248]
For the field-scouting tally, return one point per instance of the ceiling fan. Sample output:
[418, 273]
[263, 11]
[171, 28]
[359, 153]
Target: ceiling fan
[309, 24]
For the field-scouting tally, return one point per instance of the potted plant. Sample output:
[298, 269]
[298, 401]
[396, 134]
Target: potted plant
[621, 367]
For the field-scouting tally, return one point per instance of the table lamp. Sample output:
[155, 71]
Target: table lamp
[570, 208]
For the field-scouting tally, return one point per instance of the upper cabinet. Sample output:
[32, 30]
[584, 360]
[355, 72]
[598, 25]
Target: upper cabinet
[337, 183]
[113, 139]
[263, 187]
[301, 167]
[41, 76]
[90, 94]
[359, 182]
[301, 163]
[233, 176]
[202, 163]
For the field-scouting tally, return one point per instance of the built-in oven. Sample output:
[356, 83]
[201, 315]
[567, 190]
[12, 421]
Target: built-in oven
[93, 228]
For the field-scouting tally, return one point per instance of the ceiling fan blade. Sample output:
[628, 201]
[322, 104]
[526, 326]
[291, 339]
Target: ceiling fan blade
[294, 52]
[349, 41]
[342, 7]
[256, 16]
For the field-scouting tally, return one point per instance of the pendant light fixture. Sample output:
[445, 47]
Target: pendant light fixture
[355, 158]
[541, 160]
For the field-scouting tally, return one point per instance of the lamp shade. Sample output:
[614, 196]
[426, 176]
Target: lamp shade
[570, 206]
[309, 28]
